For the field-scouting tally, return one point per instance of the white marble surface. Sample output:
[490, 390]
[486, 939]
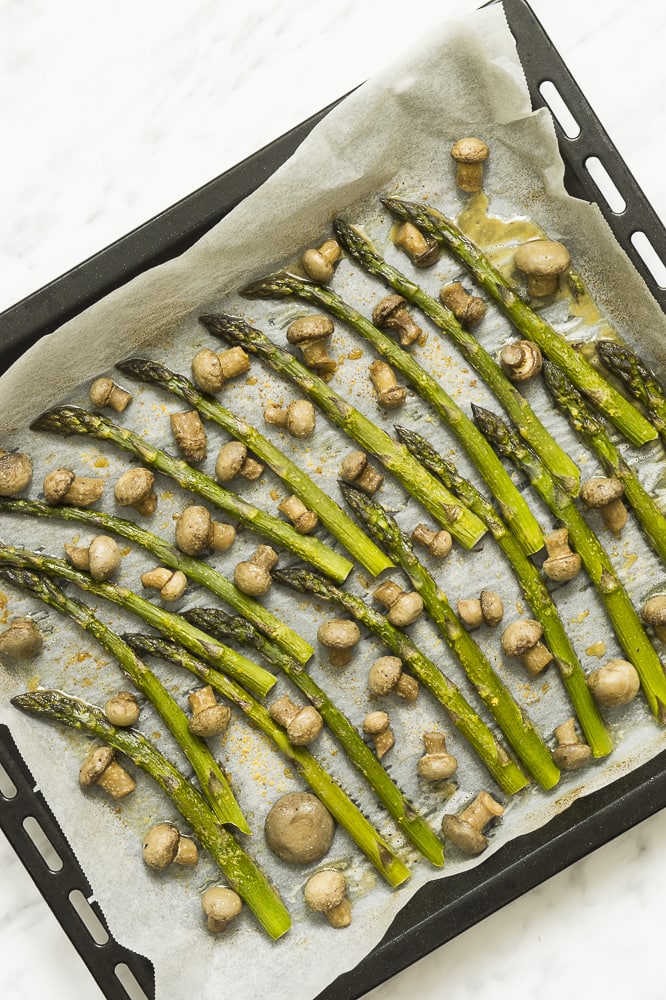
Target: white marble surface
[108, 114]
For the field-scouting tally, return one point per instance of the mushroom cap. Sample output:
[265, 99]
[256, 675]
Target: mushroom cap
[100, 391]
[464, 836]
[309, 328]
[210, 721]
[298, 828]
[22, 640]
[571, 756]
[300, 418]
[406, 609]
[375, 722]
[305, 726]
[436, 766]
[338, 633]
[253, 579]
[519, 637]
[386, 308]
[353, 465]
[492, 608]
[542, 257]
[207, 370]
[615, 683]
[654, 610]
[601, 490]
[221, 903]
[230, 460]
[324, 890]
[123, 709]
[15, 473]
[384, 674]
[470, 150]
[160, 845]
[193, 530]
[57, 483]
[133, 486]
[95, 764]
[103, 557]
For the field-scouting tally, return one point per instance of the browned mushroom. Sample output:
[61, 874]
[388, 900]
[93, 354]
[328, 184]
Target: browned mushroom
[105, 392]
[100, 768]
[123, 709]
[310, 334]
[208, 717]
[163, 846]
[15, 472]
[604, 494]
[377, 725]
[64, 486]
[233, 460]
[319, 264]
[404, 607]
[522, 640]
[171, 584]
[390, 395]
[196, 531]
[299, 828]
[521, 360]
[570, 752]
[210, 369]
[654, 613]
[466, 829]
[562, 564]
[615, 683]
[135, 488]
[422, 250]
[386, 676]
[298, 418]
[253, 576]
[303, 520]
[190, 435]
[357, 470]
[101, 558]
[437, 763]
[487, 609]
[302, 724]
[467, 309]
[339, 636]
[392, 314]
[22, 640]
[220, 905]
[470, 154]
[325, 892]
[542, 262]
[438, 543]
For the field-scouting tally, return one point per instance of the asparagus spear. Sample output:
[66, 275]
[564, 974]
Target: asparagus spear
[626, 623]
[519, 732]
[212, 779]
[592, 431]
[505, 771]
[244, 876]
[222, 626]
[530, 325]
[447, 511]
[171, 556]
[643, 384]
[515, 404]
[66, 420]
[247, 673]
[511, 501]
[328, 511]
[333, 797]
[533, 587]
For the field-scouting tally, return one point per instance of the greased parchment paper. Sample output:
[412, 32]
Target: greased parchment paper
[392, 135]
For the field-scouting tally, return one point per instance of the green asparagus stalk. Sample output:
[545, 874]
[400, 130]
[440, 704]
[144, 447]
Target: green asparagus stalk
[171, 556]
[592, 432]
[512, 503]
[448, 512]
[66, 420]
[621, 612]
[533, 587]
[530, 325]
[222, 626]
[642, 383]
[501, 767]
[212, 779]
[518, 730]
[553, 456]
[173, 626]
[341, 526]
[244, 876]
[333, 797]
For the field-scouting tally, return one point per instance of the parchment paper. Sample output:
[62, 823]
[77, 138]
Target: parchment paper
[393, 135]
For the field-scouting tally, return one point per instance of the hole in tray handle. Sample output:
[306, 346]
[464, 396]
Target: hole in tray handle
[8, 789]
[560, 109]
[88, 917]
[650, 257]
[42, 844]
[606, 184]
[129, 983]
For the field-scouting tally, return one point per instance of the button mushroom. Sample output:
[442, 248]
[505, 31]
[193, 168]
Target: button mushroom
[302, 724]
[101, 558]
[190, 435]
[123, 709]
[487, 609]
[210, 369]
[437, 763]
[171, 584]
[469, 154]
[438, 543]
[542, 262]
[357, 470]
[135, 489]
[196, 531]
[522, 640]
[521, 360]
[392, 314]
[298, 418]
[422, 250]
[339, 636]
[299, 829]
[377, 725]
[233, 460]
[220, 905]
[163, 846]
[325, 892]
[654, 613]
[404, 607]
[310, 334]
[386, 676]
[562, 564]
[570, 752]
[105, 392]
[22, 640]
[100, 768]
[615, 683]
[466, 829]
[467, 309]
[303, 520]
[253, 576]
[319, 264]
[604, 494]
[390, 395]
[64, 486]
[15, 473]
[208, 718]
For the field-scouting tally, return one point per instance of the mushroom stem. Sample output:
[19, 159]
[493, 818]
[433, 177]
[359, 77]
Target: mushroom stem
[390, 395]
[310, 333]
[470, 155]
[467, 309]
[604, 494]
[522, 639]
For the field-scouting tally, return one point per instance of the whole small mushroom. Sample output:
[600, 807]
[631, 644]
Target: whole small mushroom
[302, 724]
[468, 309]
[123, 709]
[319, 264]
[310, 334]
[325, 892]
[171, 584]
[562, 563]
[298, 418]
[654, 613]
[299, 829]
[101, 558]
[211, 369]
[233, 460]
[208, 718]
[163, 846]
[196, 531]
[391, 313]
[377, 725]
[470, 154]
[390, 395]
[135, 488]
[105, 392]
[22, 640]
[438, 543]
[570, 752]
[253, 576]
[339, 636]
[437, 763]
[615, 683]
[15, 472]
[100, 768]
[64, 486]
[521, 360]
[386, 676]
[604, 494]
[542, 262]
[190, 435]
[220, 906]
[487, 609]
[303, 519]
[466, 829]
[404, 607]
[357, 470]
[522, 639]
[422, 250]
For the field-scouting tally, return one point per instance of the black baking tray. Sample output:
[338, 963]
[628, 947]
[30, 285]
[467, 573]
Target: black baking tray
[441, 909]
